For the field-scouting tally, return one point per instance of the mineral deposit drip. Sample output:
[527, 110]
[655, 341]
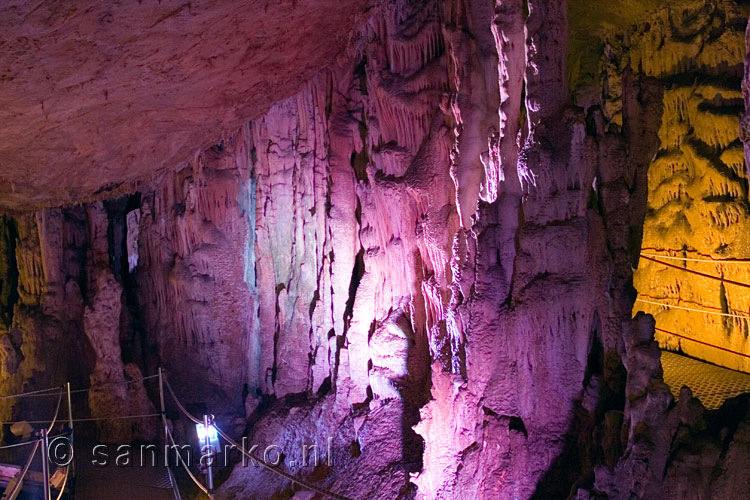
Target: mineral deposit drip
[697, 185]
[400, 249]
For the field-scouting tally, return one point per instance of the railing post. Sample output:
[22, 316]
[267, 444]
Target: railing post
[70, 426]
[207, 423]
[161, 392]
[47, 494]
[163, 409]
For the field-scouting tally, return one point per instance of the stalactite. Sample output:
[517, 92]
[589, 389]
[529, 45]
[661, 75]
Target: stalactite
[425, 255]
[191, 245]
[696, 194]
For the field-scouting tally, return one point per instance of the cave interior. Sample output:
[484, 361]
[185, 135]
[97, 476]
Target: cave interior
[454, 249]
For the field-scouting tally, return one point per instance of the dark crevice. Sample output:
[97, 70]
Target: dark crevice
[8, 269]
[325, 387]
[594, 437]
[357, 273]
[727, 323]
[313, 303]
[116, 234]
[516, 424]
[360, 72]
[276, 333]
[132, 324]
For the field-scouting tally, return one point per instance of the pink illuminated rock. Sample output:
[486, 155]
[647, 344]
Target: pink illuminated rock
[417, 259]
[195, 276]
[116, 389]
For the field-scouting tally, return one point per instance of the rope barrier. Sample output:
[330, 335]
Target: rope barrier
[715, 313]
[698, 273]
[179, 405]
[16, 445]
[116, 417]
[25, 469]
[57, 412]
[249, 455]
[182, 462]
[44, 442]
[704, 311]
[281, 473]
[40, 392]
[91, 419]
[50, 391]
[108, 384]
[165, 425]
[173, 484]
[703, 343]
[64, 484]
[694, 259]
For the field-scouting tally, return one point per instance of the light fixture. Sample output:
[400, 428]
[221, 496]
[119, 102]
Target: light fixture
[207, 435]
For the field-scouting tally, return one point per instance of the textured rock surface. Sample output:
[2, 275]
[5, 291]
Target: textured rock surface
[116, 389]
[44, 308]
[194, 266]
[421, 263]
[697, 205]
[134, 89]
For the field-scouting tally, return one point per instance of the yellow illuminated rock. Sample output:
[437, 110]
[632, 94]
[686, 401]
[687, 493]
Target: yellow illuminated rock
[698, 216]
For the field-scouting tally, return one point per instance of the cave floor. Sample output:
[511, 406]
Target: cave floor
[113, 482]
[711, 384]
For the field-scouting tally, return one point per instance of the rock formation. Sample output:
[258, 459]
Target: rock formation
[417, 258]
[697, 206]
[131, 91]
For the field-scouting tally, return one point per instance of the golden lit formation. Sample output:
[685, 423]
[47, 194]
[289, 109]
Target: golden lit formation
[694, 270]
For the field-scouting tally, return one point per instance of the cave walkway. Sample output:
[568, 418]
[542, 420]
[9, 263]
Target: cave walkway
[112, 482]
[711, 384]
[124, 472]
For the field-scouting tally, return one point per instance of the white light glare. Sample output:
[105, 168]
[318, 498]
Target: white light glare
[212, 434]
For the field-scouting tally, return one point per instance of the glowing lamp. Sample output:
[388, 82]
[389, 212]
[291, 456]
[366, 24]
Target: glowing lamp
[207, 435]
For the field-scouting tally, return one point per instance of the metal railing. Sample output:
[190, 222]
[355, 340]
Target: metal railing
[207, 422]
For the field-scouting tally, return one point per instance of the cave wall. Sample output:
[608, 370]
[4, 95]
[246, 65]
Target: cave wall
[42, 305]
[62, 322]
[697, 206]
[491, 238]
[425, 255]
[191, 276]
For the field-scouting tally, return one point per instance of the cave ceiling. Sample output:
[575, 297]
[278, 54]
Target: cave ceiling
[98, 97]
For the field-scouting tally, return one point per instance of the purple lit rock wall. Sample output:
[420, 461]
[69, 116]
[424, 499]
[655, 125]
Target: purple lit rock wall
[421, 262]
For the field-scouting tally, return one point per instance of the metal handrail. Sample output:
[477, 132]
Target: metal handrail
[249, 455]
[19, 481]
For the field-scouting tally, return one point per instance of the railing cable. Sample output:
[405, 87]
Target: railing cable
[703, 343]
[107, 384]
[64, 483]
[698, 273]
[26, 443]
[16, 445]
[704, 311]
[249, 455]
[51, 391]
[91, 419]
[57, 412]
[276, 470]
[184, 465]
[41, 392]
[22, 474]
[696, 259]
[179, 405]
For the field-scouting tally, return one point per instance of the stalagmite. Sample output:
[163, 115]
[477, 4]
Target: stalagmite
[403, 248]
